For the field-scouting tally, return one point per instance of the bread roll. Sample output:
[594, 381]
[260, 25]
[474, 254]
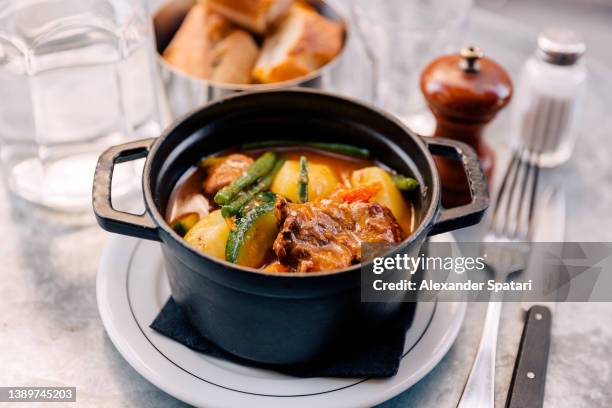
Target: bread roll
[304, 42]
[191, 47]
[255, 15]
[233, 58]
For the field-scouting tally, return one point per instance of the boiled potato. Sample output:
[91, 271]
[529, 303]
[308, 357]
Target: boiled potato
[210, 234]
[388, 195]
[321, 181]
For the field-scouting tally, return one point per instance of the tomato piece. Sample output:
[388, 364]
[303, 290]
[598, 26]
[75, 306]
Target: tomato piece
[358, 194]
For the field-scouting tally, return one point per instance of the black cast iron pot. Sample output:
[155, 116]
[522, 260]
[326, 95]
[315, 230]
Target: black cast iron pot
[268, 317]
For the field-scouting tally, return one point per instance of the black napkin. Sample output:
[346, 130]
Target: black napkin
[378, 360]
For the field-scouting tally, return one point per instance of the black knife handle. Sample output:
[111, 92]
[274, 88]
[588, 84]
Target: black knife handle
[529, 377]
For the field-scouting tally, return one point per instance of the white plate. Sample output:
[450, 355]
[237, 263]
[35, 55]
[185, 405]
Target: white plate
[131, 290]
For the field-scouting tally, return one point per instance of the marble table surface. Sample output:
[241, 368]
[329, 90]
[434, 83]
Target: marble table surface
[51, 333]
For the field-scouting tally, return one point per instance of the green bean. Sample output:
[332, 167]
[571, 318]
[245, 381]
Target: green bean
[262, 166]
[259, 199]
[342, 149]
[246, 196]
[332, 147]
[404, 183]
[303, 180]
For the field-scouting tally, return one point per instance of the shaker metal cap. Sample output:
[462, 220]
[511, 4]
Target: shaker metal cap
[560, 46]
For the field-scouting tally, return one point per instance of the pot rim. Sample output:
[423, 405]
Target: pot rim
[341, 18]
[424, 224]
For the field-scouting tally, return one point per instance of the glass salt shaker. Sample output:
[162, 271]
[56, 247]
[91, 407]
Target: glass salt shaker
[548, 95]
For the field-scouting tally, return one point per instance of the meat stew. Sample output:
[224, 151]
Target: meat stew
[284, 208]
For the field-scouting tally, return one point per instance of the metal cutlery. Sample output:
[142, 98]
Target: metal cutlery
[512, 223]
[528, 379]
[507, 247]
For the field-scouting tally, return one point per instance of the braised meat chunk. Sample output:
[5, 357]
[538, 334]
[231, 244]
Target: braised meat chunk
[224, 172]
[327, 235]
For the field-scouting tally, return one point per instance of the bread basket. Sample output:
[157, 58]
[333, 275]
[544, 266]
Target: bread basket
[185, 93]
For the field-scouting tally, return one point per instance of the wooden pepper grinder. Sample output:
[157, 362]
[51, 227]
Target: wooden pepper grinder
[464, 91]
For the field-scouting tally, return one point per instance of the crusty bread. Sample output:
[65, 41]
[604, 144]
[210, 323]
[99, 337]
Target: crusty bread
[233, 58]
[191, 47]
[255, 15]
[303, 42]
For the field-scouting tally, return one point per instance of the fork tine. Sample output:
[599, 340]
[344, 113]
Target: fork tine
[506, 198]
[541, 143]
[514, 213]
[526, 201]
[534, 190]
[515, 201]
[516, 197]
[503, 193]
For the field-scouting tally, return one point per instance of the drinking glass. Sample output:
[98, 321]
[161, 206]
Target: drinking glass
[403, 36]
[76, 76]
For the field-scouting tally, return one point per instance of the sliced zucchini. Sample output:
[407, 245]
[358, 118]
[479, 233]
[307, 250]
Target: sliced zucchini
[252, 237]
[184, 223]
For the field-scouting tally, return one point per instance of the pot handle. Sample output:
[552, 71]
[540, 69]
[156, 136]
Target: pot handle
[449, 219]
[135, 225]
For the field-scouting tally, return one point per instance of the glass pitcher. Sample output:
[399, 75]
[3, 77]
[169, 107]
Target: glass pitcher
[76, 76]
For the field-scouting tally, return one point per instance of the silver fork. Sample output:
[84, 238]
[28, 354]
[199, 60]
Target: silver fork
[507, 247]
[512, 223]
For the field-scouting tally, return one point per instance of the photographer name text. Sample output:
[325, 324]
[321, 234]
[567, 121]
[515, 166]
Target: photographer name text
[491, 285]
